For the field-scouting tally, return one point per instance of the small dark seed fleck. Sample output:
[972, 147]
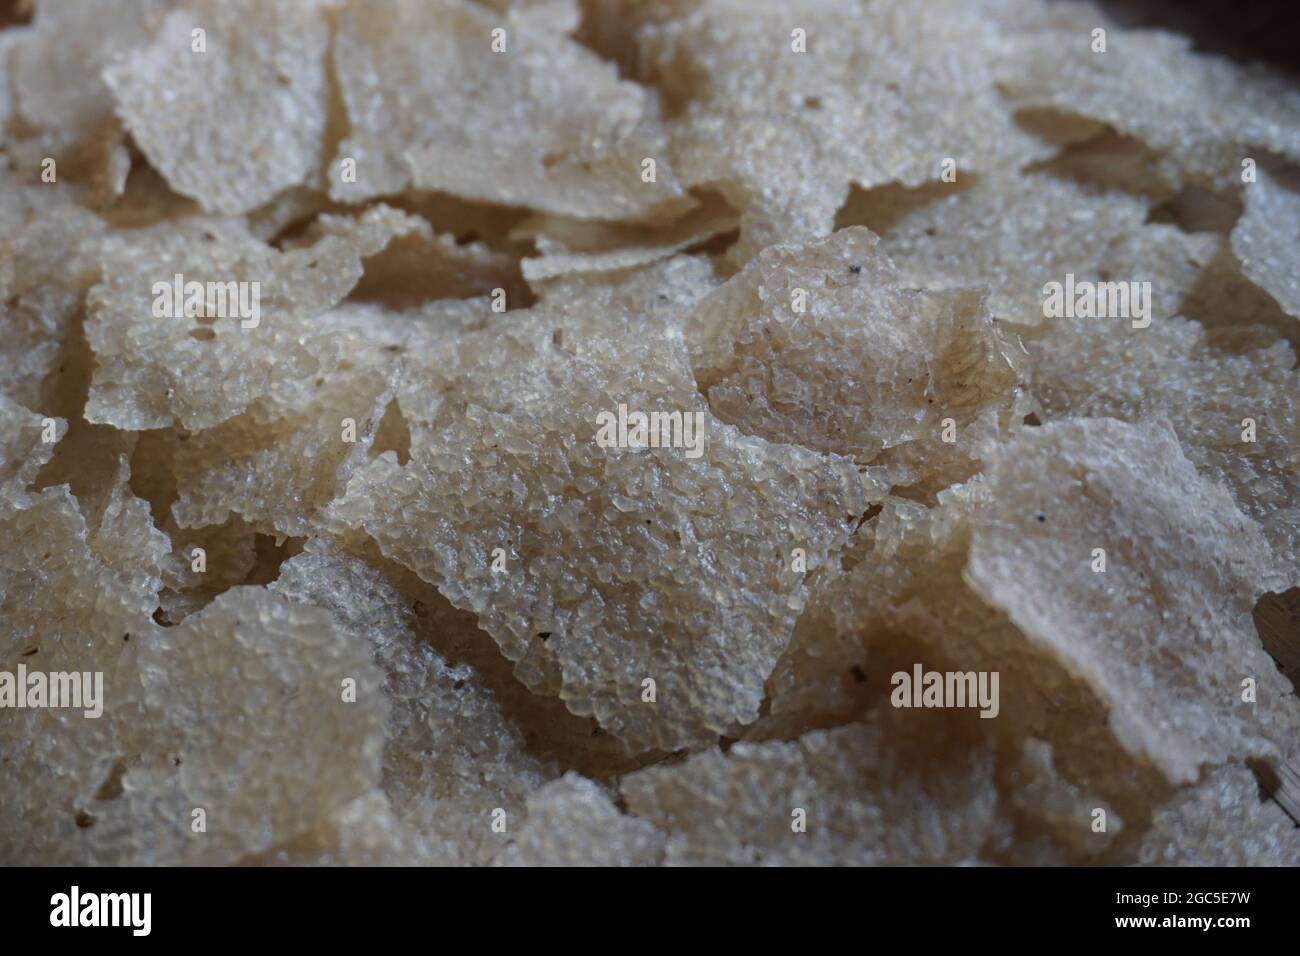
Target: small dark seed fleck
[543, 634]
[859, 674]
[855, 269]
[1041, 517]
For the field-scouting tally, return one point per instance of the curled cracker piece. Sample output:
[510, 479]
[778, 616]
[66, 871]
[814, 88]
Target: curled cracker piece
[886, 791]
[1183, 569]
[547, 124]
[592, 537]
[572, 822]
[1267, 239]
[419, 265]
[571, 245]
[241, 119]
[822, 344]
[1203, 113]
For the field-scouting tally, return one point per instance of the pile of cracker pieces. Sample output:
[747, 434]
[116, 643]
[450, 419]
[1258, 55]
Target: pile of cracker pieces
[310, 310]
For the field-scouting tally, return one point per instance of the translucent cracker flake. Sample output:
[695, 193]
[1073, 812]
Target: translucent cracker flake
[544, 123]
[452, 754]
[573, 822]
[251, 332]
[782, 110]
[822, 344]
[65, 610]
[1267, 239]
[235, 123]
[276, 466]
[687, 553]
[894, 790]
[58, 63]
[570, 245]
[1228, 387]
[23, 451]
[1205, 114]
[307, 698]
[1164, 634]
[1013, 234]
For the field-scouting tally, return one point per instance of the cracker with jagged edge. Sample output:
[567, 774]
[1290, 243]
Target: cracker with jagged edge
[277, 463]
[1012, 233]
[66, 610]
[1222, 820]
[452, 753]
[900, 788]
[593, 538]
[783, 133]
[200, 370]
[897, 598]
[1267, 237]
[58, 62]
[1206, 381]
[544, 124]
[1205, 114]
[23, 451]
[283, 672]
[46, 265]
[62, 108]
[1164, 634]
[240, 120]
[822, 344]
[419, 265]
[573, 822]
[276, 466]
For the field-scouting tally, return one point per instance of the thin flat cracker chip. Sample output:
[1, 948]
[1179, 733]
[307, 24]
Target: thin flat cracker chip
[237, 122]
[584, 546]
[782, 109]
[1013, 233]
[548, 124]
[1164, 634]
[894, 790]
